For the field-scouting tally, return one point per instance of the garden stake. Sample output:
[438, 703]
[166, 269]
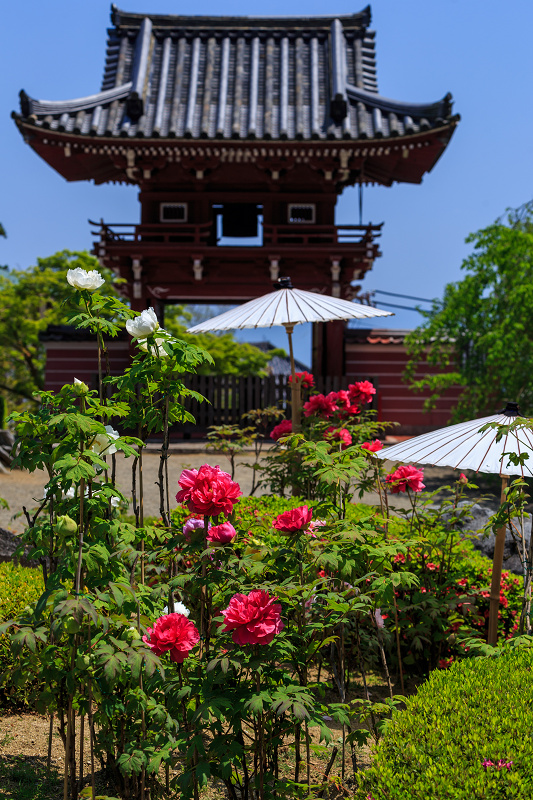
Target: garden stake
[499, 546]
[362, 670]
[328, 769]
[141, 509]
[50, 733]
[383, 656]
[91, 723]
[67, 751]
[82, 734]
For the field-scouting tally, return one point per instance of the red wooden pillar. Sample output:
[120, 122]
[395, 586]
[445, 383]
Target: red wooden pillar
[328, 348]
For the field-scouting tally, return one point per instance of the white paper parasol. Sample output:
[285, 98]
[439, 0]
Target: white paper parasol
[288, 307]
[463, 446]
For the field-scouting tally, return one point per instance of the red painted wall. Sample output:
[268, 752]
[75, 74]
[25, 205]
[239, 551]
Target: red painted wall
[381, 355]
[68, 360]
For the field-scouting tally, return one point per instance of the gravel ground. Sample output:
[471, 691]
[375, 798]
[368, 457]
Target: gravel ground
[20, 488]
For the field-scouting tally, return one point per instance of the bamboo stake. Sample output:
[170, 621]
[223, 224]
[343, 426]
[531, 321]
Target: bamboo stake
[497, 563]
[50, 734]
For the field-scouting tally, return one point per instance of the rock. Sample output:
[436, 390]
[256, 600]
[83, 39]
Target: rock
[485, 544]
[8, 544]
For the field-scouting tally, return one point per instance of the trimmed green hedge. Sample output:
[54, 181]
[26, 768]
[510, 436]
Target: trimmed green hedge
[481, 709]
[19, 587]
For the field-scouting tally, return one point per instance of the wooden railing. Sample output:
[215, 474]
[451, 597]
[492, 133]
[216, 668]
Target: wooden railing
[319, 234]
[231, 396]
[203, 234]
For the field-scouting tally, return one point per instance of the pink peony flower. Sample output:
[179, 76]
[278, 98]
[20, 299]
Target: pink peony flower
[253, 618]
[405, 477]
[320, 405]
[372, 447]
[283, 429]
[221, 534]
[305, 379]
[462, 479]
[296, 519]
[208, 491]
[361, 392]
[341, 435]
[173, 634]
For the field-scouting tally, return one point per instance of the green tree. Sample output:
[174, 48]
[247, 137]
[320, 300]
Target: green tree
[230, 357]
[30, 300]
[480, 335]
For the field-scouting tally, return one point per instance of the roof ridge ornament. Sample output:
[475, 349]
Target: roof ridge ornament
[135, 102]
[338, 107]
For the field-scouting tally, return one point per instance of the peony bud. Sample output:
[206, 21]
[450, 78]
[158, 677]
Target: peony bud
[131, 634]
[462, 479]
[65, 526]
[81, 279]
[143, 325]
[80, 388]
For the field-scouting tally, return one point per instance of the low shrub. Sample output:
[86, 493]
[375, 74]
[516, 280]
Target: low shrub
[19, 587]
[466, 734]
[450, 601]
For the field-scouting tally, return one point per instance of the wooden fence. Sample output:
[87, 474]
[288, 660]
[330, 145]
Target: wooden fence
[231, 396]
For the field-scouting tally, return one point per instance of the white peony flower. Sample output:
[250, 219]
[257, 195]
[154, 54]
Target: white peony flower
[81, 279]
[155, 349]
[179, 608]
[143, 325]
[103, 442]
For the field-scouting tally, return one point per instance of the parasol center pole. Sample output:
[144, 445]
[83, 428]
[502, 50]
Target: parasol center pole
[497, 564]
[296, 400]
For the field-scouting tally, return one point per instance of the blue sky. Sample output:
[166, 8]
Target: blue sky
[479, 50]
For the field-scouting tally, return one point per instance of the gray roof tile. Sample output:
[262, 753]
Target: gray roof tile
[238, 78]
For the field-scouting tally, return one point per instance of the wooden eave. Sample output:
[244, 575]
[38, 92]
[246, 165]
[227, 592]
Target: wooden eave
[137, 160]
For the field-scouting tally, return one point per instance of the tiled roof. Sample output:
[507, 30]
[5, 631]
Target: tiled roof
[238, 78]
[376, 335]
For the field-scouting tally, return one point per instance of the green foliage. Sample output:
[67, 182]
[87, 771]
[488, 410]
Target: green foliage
[30, 300]
[481, 330]
[478, 710]
[20, 587]
[230, 357]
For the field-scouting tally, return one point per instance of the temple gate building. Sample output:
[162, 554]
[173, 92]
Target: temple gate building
[241, 133]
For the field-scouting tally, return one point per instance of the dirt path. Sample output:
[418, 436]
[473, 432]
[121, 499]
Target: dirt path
[20, 488]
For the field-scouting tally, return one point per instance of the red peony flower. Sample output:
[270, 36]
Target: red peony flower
[173, 634]
[361, 392]
[253, 618]
[405, 477]
[208, 491]
[341, 435]
[462, 479]
[321, 405]
[305, 379]
[344, 402]
[372, 447]
[221, 534]
[297, 519]
[283, 429]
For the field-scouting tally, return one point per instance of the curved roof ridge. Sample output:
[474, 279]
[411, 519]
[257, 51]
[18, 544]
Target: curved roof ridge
[440, 108]
[31, 105]
[360, 19]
